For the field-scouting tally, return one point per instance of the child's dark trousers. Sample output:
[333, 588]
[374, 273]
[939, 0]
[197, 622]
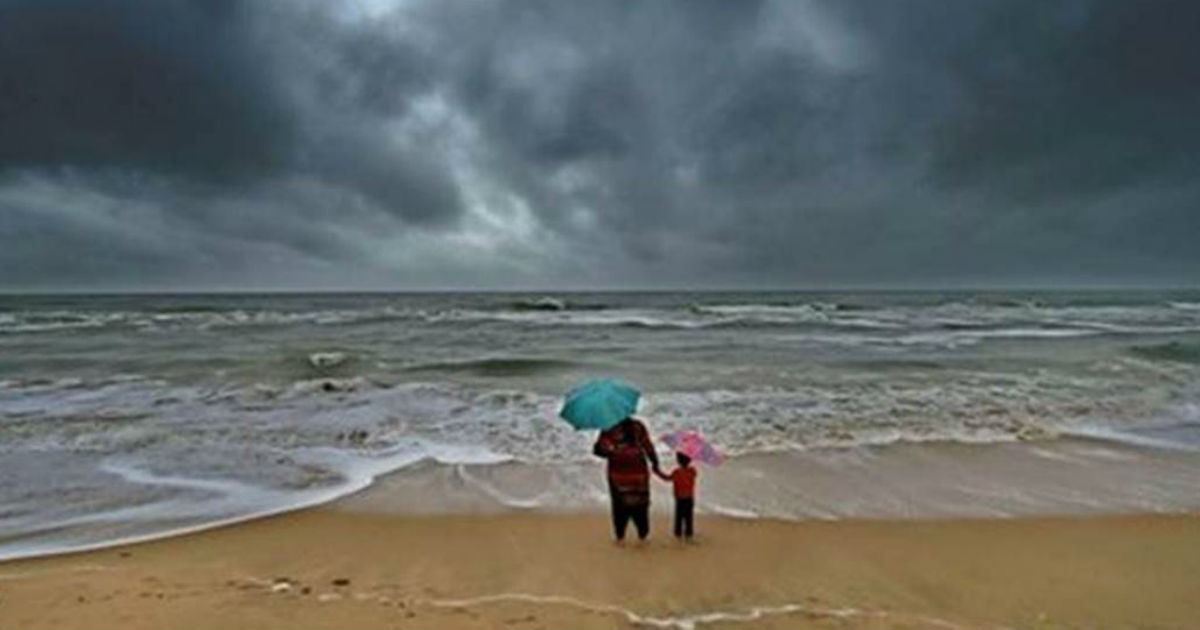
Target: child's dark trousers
[683, 517]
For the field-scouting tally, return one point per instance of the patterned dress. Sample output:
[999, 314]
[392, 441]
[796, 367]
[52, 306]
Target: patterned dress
[627, 447]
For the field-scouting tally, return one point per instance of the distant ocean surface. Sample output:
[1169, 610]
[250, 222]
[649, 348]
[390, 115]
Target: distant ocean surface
[134, 416]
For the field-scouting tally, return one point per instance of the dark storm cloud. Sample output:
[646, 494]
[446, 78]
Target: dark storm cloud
[597, 144]
[1107, 100]
[207, 94]
[161, 86]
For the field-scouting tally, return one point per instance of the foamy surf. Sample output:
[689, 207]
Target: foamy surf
[914, 480]
[688, 622]
[225, 502]
[136, 415]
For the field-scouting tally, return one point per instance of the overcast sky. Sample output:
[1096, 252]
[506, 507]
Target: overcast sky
[223, 144]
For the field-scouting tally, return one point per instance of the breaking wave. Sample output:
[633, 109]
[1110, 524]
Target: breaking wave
[498, 366]
[131, 416]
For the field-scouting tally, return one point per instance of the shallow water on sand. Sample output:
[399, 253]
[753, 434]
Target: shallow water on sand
[136, 415]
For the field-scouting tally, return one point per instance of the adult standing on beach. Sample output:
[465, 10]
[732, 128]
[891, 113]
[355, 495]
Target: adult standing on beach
[628, 448]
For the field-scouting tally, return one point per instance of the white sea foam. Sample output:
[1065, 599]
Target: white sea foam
[221, 483]
[1151, 318]
[627, 318]
[323, 360]
[328, 392]
[221, 502]
[957, 338]
[66, 320]
[541, 499]
[1128, 436]
[723, 510]
[689, 622]
[767, 312]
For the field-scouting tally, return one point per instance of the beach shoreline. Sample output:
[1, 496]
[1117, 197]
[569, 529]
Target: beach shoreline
[331, 567]
[139, 416]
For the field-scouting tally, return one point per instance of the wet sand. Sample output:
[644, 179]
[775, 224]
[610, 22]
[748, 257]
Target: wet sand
[333, 568]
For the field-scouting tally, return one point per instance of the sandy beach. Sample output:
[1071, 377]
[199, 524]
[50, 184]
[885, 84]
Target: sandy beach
[384, 314]
[335, 568]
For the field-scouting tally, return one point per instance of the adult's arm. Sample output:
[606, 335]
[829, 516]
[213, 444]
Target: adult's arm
[603, 446]
[648, 446]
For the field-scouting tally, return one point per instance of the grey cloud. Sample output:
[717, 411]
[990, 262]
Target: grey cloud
[162, 86]
[209, 94]
[606, 144]
[1077, 99]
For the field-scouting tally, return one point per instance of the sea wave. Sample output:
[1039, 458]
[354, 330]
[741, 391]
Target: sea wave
[900, 318]
[1178, 351]
[327, 360]
[193, 318]
[172, 504]
[549, 303]
[632, 318]
[497, 366]
[993, 322]
[152, 456]
[796, 311]
[131, 412]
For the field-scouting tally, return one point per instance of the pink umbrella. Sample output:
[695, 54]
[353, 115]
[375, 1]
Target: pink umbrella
[692, 444]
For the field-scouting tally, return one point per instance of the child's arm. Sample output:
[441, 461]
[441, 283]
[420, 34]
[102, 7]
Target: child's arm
[662, 475]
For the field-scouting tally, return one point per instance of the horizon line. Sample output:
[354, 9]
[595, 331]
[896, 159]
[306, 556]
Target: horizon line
[551, 291]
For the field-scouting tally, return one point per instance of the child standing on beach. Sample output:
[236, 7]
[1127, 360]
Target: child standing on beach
[683, 479]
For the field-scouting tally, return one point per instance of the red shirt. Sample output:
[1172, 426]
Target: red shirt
[627, 446]
[684, 480]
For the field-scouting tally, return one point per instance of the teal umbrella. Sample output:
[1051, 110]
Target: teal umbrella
[599, 404]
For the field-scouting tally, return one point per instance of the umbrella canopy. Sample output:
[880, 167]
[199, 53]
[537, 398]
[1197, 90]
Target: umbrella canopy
[692, 444]
[599, 404]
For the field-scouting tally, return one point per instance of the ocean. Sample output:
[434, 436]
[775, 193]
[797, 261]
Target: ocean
[134, 416]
